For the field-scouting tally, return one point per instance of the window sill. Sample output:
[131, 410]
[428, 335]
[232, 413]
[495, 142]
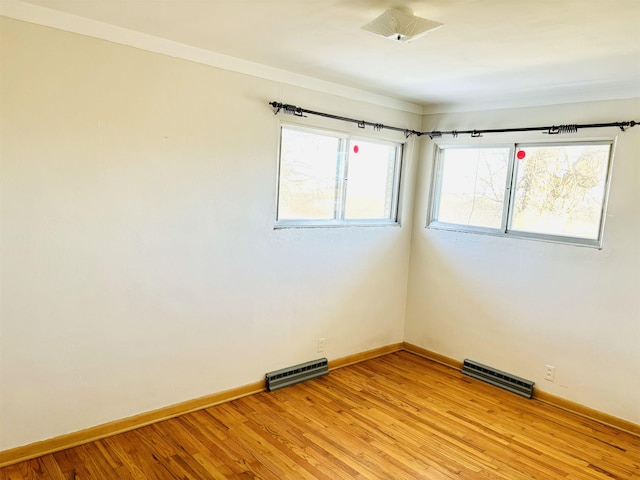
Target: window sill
[334, 224]
[573, 241]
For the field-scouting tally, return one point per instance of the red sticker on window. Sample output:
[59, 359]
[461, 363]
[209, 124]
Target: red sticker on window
[521, 154]
[356, 149]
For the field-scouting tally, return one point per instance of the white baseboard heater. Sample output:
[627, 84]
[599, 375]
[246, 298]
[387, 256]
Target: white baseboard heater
[296, 374]
[498, 378]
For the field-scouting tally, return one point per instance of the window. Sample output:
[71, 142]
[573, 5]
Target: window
[326, 178]
[548, 191]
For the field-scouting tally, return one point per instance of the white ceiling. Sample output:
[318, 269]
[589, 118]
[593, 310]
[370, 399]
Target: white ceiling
[490, 53]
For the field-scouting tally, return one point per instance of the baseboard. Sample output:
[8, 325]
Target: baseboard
[52, 445]
[436, 357]
[587, 412]
[367, 355]
[538, 395]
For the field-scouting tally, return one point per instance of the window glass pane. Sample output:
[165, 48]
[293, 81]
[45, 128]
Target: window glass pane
[370, 180]
[560, 190]
[473, 186]
[309, 167]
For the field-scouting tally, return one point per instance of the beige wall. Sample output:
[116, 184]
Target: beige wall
[520, 304]
[140, 267]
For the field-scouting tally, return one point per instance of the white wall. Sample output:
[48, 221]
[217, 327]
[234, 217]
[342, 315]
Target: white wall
[140, 267]
[520, 304]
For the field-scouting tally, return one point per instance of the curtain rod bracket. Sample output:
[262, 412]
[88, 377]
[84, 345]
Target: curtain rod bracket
[562, 129]
[624, 125]
[293, 110]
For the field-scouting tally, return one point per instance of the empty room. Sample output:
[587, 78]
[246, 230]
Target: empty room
[319, 239]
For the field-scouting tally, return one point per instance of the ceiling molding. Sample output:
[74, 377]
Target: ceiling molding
[626, 90]
[75, 24]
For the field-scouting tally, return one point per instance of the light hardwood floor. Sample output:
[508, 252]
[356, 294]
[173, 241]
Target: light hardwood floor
[399, 416]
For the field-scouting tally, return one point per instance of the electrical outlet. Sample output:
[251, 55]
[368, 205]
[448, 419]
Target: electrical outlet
[549, 373]
[320, 345]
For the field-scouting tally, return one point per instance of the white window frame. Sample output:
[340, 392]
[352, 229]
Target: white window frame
[505, 229]
[339, 219]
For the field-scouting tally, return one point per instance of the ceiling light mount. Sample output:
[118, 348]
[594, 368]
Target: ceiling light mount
[401, 25]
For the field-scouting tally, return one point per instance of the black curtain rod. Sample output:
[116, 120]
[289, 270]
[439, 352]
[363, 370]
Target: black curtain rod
[551, 130]
[300, 112]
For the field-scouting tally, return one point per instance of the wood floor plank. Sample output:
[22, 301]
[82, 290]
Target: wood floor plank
[30, 470]
[53, 469]
[399, 416]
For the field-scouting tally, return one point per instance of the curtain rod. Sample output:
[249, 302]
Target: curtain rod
[551, 130]
[300, 112]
